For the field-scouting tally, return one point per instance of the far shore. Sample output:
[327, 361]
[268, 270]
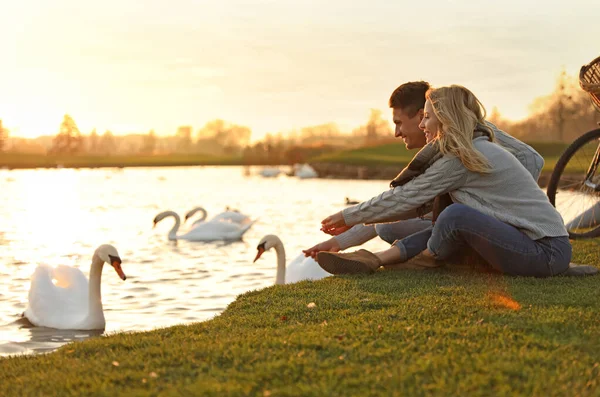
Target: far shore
[29, 161]
[327, 170]
[380, 162]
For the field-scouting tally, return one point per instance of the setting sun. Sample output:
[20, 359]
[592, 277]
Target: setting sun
[273, 67]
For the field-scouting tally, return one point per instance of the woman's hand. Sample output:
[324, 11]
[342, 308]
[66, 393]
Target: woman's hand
[330, 245]
[334, 224]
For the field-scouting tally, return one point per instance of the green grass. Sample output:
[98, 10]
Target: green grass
[551, 152]
[386, 154]
[437, 332]
[16, 160]
[396, 154]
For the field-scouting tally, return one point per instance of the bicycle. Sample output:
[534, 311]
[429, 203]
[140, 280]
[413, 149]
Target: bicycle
[575, 180]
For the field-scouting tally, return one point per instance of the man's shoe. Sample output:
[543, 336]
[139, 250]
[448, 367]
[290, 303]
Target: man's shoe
[361, 261]
[425, 261]
[579, 270]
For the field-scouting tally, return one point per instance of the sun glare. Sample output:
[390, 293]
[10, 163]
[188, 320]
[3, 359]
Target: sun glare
[503, 300]
[55, 210]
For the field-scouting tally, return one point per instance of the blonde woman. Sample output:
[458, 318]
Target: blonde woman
[407, 103]
[499, 211]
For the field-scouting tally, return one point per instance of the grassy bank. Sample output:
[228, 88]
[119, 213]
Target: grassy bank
[396, 154]
[436, 332]
[17, 160]
[392, 154]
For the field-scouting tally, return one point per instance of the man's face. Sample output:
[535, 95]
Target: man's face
[408, 128]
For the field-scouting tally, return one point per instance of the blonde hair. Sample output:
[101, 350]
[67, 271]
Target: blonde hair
[460, 113]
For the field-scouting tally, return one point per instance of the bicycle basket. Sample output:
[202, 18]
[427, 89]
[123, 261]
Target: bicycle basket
[589, 80]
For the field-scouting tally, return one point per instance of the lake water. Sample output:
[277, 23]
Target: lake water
[61, 216]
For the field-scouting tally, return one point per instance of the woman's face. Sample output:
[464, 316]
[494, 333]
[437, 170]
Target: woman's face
[430, 123]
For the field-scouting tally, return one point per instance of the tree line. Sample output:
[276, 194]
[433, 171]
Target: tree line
[217, 137]
[561, 116]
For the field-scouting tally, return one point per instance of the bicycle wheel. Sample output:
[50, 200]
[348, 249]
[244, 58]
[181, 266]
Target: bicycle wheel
[574, 187]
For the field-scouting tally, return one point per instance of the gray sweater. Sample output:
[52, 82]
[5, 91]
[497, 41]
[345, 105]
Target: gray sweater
[527, 156]
[508, 193]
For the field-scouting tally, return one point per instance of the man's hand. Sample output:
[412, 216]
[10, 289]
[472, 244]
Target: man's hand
[334, 224]
[330, 245]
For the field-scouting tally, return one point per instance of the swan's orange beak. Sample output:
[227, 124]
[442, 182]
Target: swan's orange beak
[117, 266]
[259, 253]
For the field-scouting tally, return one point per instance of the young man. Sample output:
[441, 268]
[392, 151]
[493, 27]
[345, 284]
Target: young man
[407, 103]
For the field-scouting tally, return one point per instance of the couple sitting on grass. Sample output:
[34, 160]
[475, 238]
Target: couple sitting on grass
[471, 189]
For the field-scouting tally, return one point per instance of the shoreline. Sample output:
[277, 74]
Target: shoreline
[420, 328]
[324, 170]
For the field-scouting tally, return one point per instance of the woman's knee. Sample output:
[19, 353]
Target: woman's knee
[454, 214]
[386, 232]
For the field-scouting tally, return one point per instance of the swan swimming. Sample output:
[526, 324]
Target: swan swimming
[205, 231]
[192, 212]
[301, 268]
[305, 171]
[63, 298]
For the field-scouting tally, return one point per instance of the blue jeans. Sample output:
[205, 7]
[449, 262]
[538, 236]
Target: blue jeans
[501, 245]
[390, 232]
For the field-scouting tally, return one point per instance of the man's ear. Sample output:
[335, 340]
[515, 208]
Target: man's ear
[420, 113]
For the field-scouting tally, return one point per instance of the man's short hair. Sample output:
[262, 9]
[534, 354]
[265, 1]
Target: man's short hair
[410, 97]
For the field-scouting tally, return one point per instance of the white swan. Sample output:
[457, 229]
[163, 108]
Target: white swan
[205, 231]
[228, 215]
[301, 268]
[192, 212]
[70, 302]
[270, 172]
[305, 171]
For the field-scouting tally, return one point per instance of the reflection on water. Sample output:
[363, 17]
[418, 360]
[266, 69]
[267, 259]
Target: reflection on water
[22, 337]
[61, 216]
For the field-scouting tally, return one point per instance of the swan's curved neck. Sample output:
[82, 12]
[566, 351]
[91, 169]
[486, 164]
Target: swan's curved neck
[204, 214]
[95, 294]
[280, 278]
[175, 228]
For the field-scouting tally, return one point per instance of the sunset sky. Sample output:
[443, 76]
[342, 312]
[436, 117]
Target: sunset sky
[131, 66]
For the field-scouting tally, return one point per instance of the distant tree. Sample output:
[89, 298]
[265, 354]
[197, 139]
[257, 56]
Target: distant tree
[562, 115]
[149, 143]
[495, 116]
[562, 106]
[234, 139]
[319, 133]
[24, 145]
[219, 136]
[107, 144]
[93, 142]
[3, 137]
[375, 128]
[69, 139]
[184, 139]
[269, 148]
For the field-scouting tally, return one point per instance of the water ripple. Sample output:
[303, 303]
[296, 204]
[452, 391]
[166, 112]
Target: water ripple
[167, 282]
